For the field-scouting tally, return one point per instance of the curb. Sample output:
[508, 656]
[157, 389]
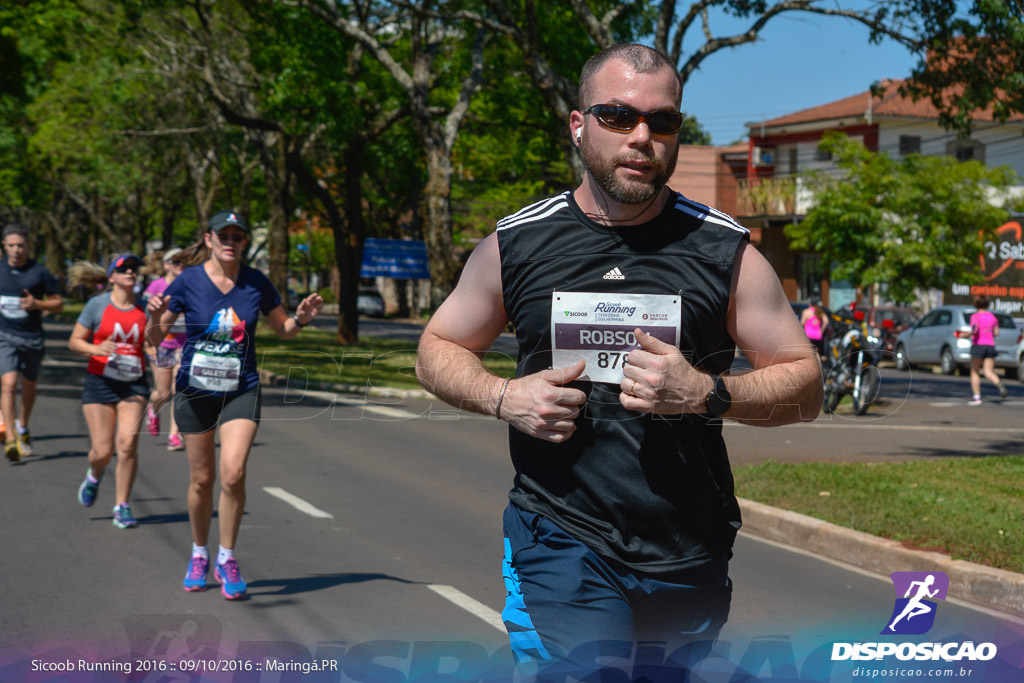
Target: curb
[996, 589]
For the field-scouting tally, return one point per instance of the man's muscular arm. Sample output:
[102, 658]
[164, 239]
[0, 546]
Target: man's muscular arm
[785, 383]
[454, 343]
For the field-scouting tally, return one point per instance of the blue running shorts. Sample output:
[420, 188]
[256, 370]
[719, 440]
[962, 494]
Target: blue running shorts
[566, 607]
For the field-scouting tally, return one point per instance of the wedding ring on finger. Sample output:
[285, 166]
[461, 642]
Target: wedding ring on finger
[631, 393]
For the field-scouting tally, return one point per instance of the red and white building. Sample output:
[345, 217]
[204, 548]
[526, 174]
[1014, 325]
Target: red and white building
[760, 187]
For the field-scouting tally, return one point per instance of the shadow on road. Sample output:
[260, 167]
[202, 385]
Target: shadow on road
[316, 582]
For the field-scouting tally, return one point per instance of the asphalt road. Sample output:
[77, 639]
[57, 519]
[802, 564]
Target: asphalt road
[395, 543]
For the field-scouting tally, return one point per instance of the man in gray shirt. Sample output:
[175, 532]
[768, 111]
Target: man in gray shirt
[27, 289]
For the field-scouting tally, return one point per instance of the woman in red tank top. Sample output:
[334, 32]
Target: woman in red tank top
[111, 331]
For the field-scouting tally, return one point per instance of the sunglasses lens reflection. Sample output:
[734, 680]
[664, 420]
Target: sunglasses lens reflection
[625, 119]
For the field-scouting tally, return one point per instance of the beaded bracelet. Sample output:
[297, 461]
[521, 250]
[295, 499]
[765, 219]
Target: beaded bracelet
[501, 397]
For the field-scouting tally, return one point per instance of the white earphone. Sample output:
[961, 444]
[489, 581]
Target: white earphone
[579, 134]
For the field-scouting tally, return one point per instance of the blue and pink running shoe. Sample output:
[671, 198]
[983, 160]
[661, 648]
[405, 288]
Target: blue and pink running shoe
[195, 577]
[232, 585]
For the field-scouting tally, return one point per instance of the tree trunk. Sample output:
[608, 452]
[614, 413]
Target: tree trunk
[347, 250]
[437, 226]
[167, 229]
[348, 313]
[280, 200]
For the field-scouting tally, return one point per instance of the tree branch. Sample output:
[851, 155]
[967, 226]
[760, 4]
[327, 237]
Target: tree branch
[328, 11]
[470, 86]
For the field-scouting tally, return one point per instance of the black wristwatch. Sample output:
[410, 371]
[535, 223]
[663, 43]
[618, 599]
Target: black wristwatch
[718, 401]
[298, 322]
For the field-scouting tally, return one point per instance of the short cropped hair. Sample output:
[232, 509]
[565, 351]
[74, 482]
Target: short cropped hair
[642, 58]
[16, 229]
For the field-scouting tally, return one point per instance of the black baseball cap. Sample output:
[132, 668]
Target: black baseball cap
[223, 219]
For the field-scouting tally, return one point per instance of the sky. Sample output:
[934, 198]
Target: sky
[801, 60]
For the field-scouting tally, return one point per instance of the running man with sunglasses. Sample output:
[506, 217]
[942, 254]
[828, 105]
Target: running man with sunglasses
[628, 301]
[218, 384]
[27, 289]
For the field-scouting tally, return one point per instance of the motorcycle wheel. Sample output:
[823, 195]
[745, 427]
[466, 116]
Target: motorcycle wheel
[866, 393]
[833, 391]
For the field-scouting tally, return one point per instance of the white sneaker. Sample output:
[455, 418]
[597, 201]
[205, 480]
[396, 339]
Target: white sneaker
[974, 402]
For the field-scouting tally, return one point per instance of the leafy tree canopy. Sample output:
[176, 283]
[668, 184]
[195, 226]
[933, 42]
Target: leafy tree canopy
[910, 223]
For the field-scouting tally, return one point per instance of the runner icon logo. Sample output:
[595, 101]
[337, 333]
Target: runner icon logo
[916, 592]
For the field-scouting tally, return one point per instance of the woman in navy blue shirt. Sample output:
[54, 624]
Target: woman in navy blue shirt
[218, 383]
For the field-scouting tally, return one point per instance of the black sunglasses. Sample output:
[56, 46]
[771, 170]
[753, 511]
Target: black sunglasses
[125, 267]
[624, 119]
[231, 236]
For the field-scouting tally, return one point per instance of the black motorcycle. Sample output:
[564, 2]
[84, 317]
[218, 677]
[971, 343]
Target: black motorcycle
[851, 363]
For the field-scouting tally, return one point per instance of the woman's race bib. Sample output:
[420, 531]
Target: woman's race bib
[216, 366]
[123, 367]
[10, 308]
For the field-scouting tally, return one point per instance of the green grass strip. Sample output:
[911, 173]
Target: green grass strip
[969, 508]
[314, 354]
[375, 360]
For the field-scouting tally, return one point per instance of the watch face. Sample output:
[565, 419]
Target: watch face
[718, 400]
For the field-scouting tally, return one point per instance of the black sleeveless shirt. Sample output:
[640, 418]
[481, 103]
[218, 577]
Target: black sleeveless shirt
[652, 492]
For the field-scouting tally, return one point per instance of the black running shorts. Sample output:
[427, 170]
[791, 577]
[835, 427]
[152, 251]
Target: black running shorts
[196, 414]
[99, 389]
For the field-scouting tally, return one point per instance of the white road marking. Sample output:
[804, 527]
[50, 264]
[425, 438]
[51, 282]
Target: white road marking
[469, 604]
[867, 424]
[386, 411]
[297, 503]
[367, 406]
[963, 403]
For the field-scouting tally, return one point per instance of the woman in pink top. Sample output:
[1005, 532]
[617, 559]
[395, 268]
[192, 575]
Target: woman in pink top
[166, 357]
[984, 330]
[815, 321]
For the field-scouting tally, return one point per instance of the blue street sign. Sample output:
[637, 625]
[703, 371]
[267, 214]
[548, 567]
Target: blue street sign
[395, 258]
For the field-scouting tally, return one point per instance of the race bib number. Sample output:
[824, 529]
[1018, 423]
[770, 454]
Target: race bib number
[598, 328]
[10, 308]
[214, 372]
[123, 367]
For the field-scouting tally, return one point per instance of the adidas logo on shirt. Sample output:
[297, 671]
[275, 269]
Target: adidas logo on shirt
[614, 274]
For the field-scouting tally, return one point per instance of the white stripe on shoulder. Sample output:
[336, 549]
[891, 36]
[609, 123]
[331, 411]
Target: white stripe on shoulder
[711, 210]
[708, 214]
[552, 208]
[532, 209]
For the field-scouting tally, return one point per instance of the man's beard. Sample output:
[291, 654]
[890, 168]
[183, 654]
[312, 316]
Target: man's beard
[629, 190]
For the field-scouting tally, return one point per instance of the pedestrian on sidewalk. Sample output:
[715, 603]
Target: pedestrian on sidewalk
[815, 323]
[217, 384]
[110, 332]
[628, 300]
[27, 289]
[984, 331]
[166, 358]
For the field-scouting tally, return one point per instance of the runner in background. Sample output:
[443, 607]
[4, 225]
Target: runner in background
[218, 384]
[26, 290]
[815, 323]
[110, 330]
[984, 330]
[166, 357]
